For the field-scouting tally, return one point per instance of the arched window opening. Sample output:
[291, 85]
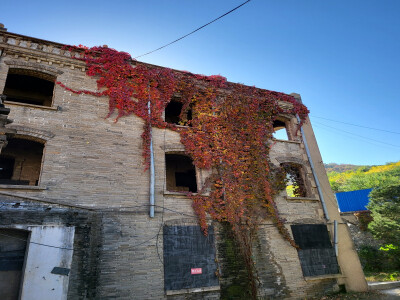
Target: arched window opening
[180, 173]
[280, 130]
[20, 162]
[12, 257]
[295, 181]
[30, 87]
[173, 113]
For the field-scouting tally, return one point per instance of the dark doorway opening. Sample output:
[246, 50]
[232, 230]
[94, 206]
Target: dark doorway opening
[12, 255]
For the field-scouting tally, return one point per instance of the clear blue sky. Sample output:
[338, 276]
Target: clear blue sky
[342, 56]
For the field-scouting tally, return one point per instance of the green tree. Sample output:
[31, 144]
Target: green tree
[365, 177]
[385, 210]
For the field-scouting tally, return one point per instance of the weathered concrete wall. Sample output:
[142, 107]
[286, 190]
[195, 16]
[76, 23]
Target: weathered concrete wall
[46, 224]
[353, 276]
[38, 282]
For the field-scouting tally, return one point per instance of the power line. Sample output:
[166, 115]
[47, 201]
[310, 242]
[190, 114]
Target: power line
[40, 244]
[133, 246]
[396, 146]
[201, 27]
[357, 125]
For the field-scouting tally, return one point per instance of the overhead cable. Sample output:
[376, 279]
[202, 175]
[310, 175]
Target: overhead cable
[356, 125]
[201, 27]
[354, 134]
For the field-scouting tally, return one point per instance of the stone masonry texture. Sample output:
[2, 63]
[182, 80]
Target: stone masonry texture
[92, 177]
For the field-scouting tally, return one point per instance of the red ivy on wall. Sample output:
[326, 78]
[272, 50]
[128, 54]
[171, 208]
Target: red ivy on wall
[230, 131]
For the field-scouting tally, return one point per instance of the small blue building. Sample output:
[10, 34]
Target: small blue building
[353, 201]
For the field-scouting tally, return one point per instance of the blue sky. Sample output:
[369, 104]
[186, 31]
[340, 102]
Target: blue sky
[343, 57]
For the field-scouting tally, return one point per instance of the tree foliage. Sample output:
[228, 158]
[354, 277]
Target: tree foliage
[365, 177]
[385, 210]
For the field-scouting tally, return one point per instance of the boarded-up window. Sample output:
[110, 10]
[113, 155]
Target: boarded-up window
[12, 256]
[316, 254]
[189, 258]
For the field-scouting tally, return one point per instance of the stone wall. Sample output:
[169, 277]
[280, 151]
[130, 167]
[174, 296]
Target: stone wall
[92, 177]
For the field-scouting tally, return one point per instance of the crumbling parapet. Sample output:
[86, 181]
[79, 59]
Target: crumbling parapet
[4, 120]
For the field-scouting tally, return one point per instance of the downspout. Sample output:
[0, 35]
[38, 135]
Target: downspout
[335, 237]
[151, 164]
[313, 171]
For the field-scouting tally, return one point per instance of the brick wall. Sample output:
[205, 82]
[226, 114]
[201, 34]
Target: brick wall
[94, 162]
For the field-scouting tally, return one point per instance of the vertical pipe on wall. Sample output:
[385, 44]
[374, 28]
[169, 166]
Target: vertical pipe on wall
[151, 165]
[335, 236]
[321, 196]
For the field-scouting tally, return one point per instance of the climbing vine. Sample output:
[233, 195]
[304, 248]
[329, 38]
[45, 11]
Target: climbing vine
[230, 132]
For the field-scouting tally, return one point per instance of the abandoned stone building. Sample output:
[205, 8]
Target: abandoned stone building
[74, 201]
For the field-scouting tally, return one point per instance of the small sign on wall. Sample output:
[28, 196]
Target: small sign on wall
[195, 271]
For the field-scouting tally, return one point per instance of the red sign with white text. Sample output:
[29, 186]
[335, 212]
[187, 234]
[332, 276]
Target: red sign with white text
[194, 271]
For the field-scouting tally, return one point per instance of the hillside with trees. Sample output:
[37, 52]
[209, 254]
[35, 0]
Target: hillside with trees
[362, 177]
[340, 167]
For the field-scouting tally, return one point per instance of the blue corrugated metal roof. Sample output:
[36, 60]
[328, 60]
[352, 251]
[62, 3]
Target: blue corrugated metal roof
[353, 201]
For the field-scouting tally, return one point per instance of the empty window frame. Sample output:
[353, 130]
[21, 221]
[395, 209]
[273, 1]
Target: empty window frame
[295, 180]
[20, 162]
[180, 173]
[189, 258]
[280, 130]
[316, 254]
[30, 87]
[173, 113]
[12, 256]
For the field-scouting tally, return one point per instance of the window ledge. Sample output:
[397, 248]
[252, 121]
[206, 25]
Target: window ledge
[182, 194]
[32, 105]
[320, 277]
[22, 187]
[193, 290]
[286, 141]
[176, 193]
[301, 199]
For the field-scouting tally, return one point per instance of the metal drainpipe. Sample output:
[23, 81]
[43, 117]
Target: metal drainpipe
[335, 236]
[313, 171]
[151, 166]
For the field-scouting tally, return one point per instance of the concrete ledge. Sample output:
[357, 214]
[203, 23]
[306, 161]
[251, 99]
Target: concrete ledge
[193, 290]
[286, 141]
[21, 187]
[321, 277]
[31, 105]
[301, 199]
[175, 194]
[383, 285]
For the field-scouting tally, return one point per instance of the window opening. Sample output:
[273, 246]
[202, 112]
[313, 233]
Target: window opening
[173, 113]
[280, 130]
[295, 183]
[189, 258]
[12, 256]
[180, 173]
[20, 162]
[316, 254]
[30, 87]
